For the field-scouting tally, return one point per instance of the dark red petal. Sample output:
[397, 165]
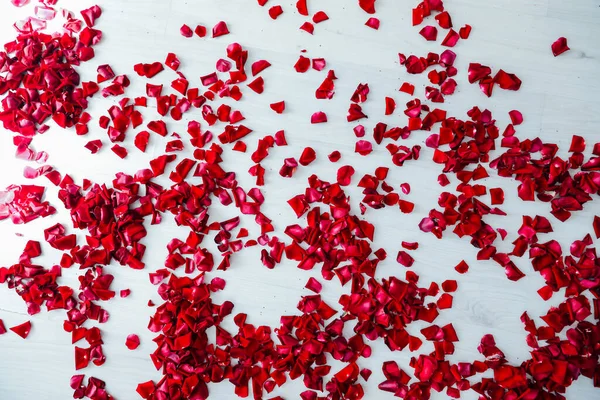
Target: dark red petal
[373, 23]
[308, 156]
[258, 85]
[390, 105]
[465, 31]
[302, 65]
[313, 285]
[302, 7]
[275, 11]
[507, 81]
[429, 33]
[94, 146]
[363, 147]
[516, 117]
[559, 46]
[407, 88]
[444, 20]
[451, 39]
[334, 156]
[132, 342]
[367, 5]
[200, 30]
[449, 285]
[497, 196]
[308, 27]
[22, 330]
[318, 118]
[344, 175]
[577, 144]
[186, 31]
[405, 259]
[319, 16]
[462, 267]
[259, 66]
[119, 151]
[220, 29]
[278, 107]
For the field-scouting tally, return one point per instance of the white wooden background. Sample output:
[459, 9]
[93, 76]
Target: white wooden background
[559, 97]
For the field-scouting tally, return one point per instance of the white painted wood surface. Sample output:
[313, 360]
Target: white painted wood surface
[559, 97]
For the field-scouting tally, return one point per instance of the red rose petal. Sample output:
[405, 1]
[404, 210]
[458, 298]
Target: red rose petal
[186, 31]
[444, 20]
[390, 105]
[363, 147]
[577, 144]
[405, 259]
[478, 72]
[319, 16]
[275, 11]
[220, 29]
[319, 64]
[596, 225]
[451, 39]
[462, 267]
[258, 85]
[22, 330]
[318, 118]
[308, 27]
[516, 117]
[94, 146]
[344, 175]
[314, 285]
[507, 81]
[429, 33]
[497, 196]
[373, 23]
[278, 107]
[367, 5]
[407, 88]
[119, 151]
[308, 156]
[465, 31]
[259, 66]
[132, 342]
[200, 31]
[334, 156]
[302, 65]
[559, 46]
[302, 7]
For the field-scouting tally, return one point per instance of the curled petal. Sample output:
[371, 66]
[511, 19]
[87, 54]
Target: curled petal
[344, 175]
[405, 259]
[429, 33]
[516, 117]
[373, 23]
[559, 46]
[132, 342]
[220, 29]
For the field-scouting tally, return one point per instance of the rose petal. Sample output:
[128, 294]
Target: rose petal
[373, 23]
[318, 118]
[344, 175]
[559, 46]
[22, 330]
[132, 342]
